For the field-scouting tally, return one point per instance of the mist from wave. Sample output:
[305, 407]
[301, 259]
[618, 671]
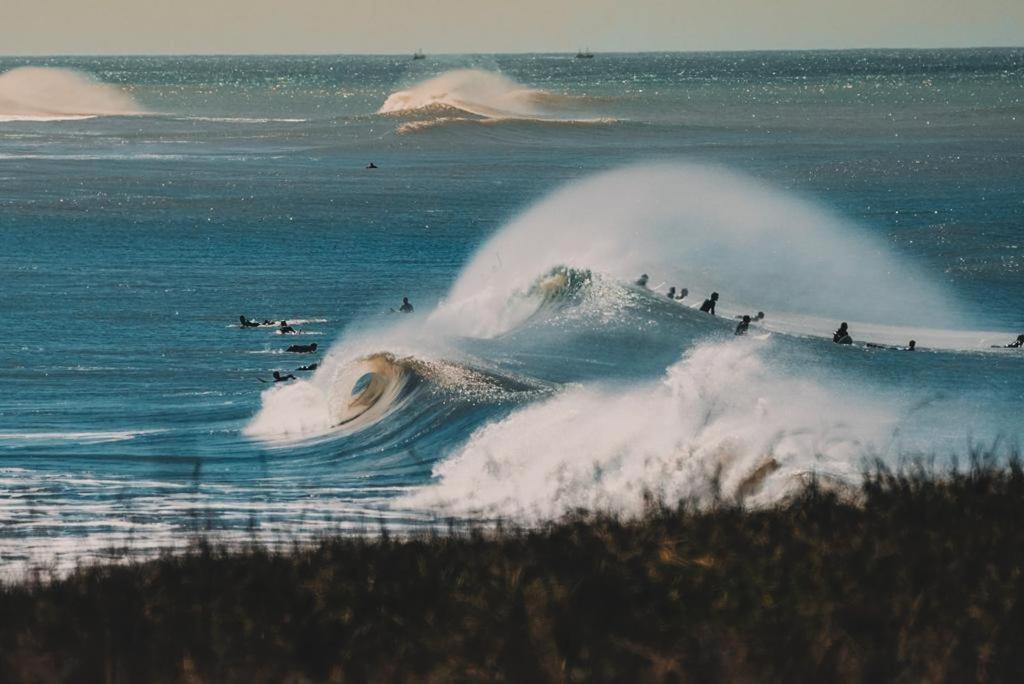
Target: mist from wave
[56, 94]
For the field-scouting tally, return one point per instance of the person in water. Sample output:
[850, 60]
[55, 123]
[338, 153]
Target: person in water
[911, 346]
[1016, 344]
[310, 367]
[743, 325]
[671, 293]
[642, 280]
[371, 165]
[269, 322]
[406, 306]
[754, 319]
[285, 329]
[709, 304]
[246, 323]
[302, 348]
[842, 336]
[282, 378]
[682, 294]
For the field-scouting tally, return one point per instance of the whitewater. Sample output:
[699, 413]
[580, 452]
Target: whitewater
[516, 200]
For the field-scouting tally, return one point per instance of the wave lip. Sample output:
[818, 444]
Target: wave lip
[55, 94]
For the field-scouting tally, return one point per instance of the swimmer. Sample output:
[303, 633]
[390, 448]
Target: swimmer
[911, 346]
[742, 326]
[302, 348]
[282, 378]
[842, 336]
[709, 304]
[682, 294]
[371, 165]
[286, 329]
[310, 367]
[671, 293]
[406, 306]
[642, 280]
[246, 323]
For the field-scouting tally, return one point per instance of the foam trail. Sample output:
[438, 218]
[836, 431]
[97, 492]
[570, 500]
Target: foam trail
[52, 94]
[703, 228]
[474, 91]
[720, 409]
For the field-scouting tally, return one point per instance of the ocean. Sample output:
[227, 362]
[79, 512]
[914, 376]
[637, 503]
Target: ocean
[147, 202]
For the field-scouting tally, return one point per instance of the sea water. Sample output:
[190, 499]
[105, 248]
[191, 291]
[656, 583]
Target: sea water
[147, 202]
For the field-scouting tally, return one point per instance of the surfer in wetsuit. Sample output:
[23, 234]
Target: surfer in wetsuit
[709, 304]
[282, 378]
[753, 319]
[406, 306]
[682, 294]
[911, 346]
[1016, 344]
[842, 336]
[742, 326]
[246, 323]
[642, 280]
[286, 329]
[310, 367]
[671, 292]
[302, 348]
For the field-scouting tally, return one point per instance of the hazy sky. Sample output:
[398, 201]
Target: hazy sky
[393, 26]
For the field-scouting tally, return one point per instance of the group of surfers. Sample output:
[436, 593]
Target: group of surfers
[840, 336]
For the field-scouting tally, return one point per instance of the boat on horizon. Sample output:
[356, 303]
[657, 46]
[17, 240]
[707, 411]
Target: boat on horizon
[584, 54]
[419, 55]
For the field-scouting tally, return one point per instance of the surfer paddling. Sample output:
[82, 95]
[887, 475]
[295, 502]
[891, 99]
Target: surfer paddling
[286, 329]
[246, 323]
[302, 348]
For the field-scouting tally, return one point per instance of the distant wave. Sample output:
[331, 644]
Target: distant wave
[475, 95]
[80, 437]
[53, 94]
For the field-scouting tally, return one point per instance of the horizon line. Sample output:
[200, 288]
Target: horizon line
[518, 53]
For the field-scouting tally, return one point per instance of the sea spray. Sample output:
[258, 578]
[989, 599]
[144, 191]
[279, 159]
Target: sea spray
[50, 93]
[705, 228]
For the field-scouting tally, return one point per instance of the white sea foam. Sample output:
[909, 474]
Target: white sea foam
[721, 410]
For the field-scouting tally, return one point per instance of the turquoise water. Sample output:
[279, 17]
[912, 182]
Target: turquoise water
[516, 199]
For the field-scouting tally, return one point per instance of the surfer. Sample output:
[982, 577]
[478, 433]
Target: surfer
[268, 322]
[286, 329]
[1016, 344]
[406, 306]
[282, 378]
[709, 304]
[842, 336]
[742, 326]
[671, 292]
[682, 294]
[642, 280]
[371, 165]
[302, 348]
[911, 346]
[310, 367]
[246, 323]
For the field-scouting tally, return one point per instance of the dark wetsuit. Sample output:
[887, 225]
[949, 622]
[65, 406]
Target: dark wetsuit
[282, 378]
[708, 306]
[302, 348]
[405, 308]
[842, 336]
[310, 367]
[741, 327]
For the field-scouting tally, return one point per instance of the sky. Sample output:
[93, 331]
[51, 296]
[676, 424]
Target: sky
[43, 27]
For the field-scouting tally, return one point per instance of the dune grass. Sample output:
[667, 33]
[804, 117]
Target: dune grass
[919, 578]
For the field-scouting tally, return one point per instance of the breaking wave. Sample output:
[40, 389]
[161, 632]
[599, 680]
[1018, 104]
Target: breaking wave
[54, 94]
